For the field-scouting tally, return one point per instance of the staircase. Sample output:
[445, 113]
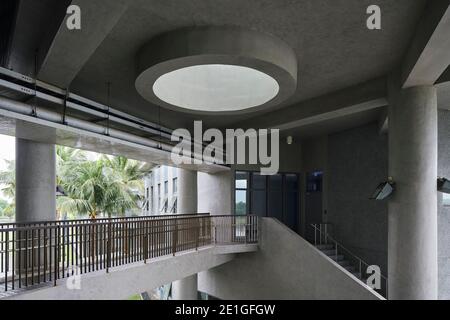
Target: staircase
[330, 251]
[325, 243]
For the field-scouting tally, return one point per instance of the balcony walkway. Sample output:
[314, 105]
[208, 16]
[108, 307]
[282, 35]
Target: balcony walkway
[45, 260]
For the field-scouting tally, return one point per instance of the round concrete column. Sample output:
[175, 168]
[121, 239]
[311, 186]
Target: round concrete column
[412, 235]
[35, 181]
[187, 191]
[185, 289]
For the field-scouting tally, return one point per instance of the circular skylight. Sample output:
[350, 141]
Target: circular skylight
[215, 87]
[216, 70]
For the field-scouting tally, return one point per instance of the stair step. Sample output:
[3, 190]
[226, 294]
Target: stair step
[329, 252]
[344, 263]
[325, 246]
[350, 269]
[339, 258]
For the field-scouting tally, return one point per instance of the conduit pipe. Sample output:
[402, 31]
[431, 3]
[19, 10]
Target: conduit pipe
[45, 114]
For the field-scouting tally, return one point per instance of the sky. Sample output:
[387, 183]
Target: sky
[7, 150]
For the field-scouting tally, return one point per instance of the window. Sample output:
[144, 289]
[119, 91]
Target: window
[159, 196]
[314, 182]
[166, 188]
[151, 197]
[446, 199]
[241, 193]
[147, 198]
[174, 185]
[274, 196]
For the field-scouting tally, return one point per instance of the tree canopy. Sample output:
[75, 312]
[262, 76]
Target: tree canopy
[107, 186]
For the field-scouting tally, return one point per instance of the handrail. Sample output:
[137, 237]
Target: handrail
[337, 244]
[32, 254]
[102, 218]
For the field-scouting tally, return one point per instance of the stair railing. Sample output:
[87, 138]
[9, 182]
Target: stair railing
[322, 237]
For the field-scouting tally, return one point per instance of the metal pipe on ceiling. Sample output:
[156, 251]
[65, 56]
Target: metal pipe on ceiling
[52, 116]
[55, 94]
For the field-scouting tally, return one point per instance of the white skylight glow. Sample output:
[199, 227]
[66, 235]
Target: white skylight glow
[216, 87]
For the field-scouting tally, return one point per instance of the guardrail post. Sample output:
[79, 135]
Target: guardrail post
[108, 248]
[6, 260]
[197, 231]
[175, 236]
[145, 241]
[56, 256]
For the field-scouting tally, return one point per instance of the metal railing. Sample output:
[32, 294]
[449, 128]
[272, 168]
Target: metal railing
[43, 252]
[322, 237]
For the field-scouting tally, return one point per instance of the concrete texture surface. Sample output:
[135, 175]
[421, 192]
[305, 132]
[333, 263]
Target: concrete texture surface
[185, 289]
[444, 211]
[35, 181]
[122, 282]
[357, 163]
[226, 45]
[187, 191]
[285, 267]
[412, 209]
[215, 193]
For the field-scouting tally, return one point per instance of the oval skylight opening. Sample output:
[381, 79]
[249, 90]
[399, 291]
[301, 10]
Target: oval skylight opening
[216, 87]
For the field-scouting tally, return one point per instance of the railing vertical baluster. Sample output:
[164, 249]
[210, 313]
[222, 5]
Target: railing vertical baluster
[39, 255]
[108, 263]
[63, 251]
[32, 257]
[72, 262]
[56, 257]
[45, 244]
[2, 250]
[20, 255]
[26, 257]
[6, 258]
[174, 236]
[13, 262]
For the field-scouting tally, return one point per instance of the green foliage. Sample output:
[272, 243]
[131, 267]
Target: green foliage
[241, 208]
[107, 186]
[8, 180]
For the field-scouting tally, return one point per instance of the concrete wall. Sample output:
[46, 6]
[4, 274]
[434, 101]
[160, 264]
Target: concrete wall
[298, 271]
[443, 211]
[357, 162]
[215, 193]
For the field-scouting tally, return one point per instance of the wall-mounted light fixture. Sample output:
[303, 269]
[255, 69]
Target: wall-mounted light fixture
[443, 185]
[289, 140]
[384, 190]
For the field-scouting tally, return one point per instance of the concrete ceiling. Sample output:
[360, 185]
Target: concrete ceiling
[334, 48]
[342, 65]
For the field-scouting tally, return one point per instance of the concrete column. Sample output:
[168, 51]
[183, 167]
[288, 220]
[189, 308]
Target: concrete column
[412, 235]
[185, 289]
[187, 191]
[215, 193]
[35, 181]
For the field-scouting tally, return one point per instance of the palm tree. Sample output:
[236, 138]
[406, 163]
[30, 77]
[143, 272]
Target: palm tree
[85, 186]
[109, 186]
[126, 184]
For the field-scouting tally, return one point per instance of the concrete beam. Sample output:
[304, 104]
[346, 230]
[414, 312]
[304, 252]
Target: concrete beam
[71, 49]
[124, 281]
[383, 121]
[445, 77]
[429, 52]
[363, 97]
[31, 36]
